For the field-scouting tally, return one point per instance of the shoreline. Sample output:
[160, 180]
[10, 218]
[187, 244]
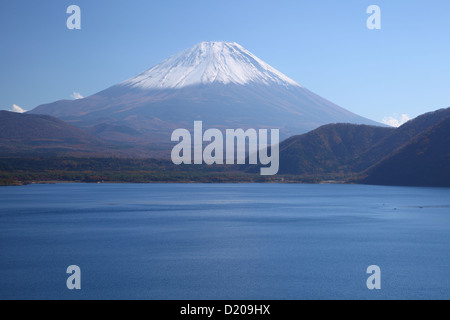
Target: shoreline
[54, 182]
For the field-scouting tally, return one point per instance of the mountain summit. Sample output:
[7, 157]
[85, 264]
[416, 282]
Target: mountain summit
[222, 84]
[209, 63]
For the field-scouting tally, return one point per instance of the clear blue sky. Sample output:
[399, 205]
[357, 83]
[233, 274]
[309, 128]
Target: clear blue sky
[324, 45]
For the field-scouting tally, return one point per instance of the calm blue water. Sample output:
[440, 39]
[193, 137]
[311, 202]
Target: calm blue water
[194, 241]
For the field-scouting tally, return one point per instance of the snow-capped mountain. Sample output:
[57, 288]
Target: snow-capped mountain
[208, 63]
[222, 84]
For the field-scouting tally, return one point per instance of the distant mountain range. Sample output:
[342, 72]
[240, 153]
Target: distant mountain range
[417, 153]
[422, 161]
[329, 149]
[41, 135]
[222, 84]
[227, 87]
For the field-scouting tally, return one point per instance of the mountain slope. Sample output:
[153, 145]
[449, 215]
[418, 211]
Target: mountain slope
[418, 153]
[398, 138]
[424, 161]
[221, 84]
[26, 134]
[328, 149]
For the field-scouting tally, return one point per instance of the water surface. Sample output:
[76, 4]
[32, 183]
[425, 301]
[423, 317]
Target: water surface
[224, 241]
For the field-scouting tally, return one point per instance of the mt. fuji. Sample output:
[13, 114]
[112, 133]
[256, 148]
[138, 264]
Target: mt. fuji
[221, 84]
[208, 63]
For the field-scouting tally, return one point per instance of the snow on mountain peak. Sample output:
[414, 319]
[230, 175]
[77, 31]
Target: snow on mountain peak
[207, 63]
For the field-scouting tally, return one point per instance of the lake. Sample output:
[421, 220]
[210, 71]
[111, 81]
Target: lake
[224, 241]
